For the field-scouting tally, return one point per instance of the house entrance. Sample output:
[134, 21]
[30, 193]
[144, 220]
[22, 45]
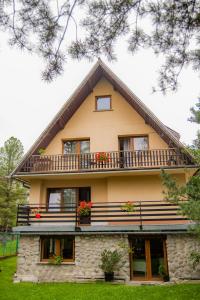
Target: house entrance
[148, 258]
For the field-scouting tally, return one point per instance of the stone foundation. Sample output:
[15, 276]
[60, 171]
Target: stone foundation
[88, 250]
[85, 267]
[179, 248]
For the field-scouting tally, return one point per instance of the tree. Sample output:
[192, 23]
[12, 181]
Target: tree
[195, 148]
[46, 27]
[11, 191]
[189, 192]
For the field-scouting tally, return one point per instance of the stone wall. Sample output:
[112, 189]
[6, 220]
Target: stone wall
[179, 247]
[85, 267]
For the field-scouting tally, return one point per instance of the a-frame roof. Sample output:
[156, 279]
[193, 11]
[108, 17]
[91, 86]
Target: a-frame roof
[85, 88]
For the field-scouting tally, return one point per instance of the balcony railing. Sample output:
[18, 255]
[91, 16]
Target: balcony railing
[98, 161]
[103, 214]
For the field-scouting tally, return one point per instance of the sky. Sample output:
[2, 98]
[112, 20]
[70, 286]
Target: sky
[28, 104]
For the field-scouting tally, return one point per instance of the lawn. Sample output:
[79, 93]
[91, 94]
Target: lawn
[98, 291]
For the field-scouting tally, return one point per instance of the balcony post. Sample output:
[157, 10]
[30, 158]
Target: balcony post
[77, 228]
[141, 226]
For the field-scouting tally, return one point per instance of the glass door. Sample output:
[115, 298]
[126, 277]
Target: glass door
[139, 263]
[148, 258]
[132, 150]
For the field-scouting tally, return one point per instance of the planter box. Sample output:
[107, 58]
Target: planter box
[84, 220]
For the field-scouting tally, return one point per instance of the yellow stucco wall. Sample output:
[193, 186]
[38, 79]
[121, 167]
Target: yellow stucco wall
[103, 128]
[112, 189]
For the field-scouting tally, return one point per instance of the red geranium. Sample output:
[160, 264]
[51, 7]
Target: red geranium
[102, 156]
[84, 208]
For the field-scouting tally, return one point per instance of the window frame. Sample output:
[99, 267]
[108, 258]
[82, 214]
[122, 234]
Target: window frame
[57, 247]
[49, 189]
[78, 146]
[120, 137]
[104, 96]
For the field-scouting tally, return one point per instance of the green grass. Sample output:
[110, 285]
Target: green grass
[98, 291]
[8, 249]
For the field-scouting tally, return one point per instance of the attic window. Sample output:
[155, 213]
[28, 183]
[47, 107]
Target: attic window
[103, 103]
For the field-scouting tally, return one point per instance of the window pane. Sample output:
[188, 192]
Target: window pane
[48, 247]
[84, 194]
[103, 103]
[70, 147]
[66, 247]
[85, 146]
[157, 255]
[69, 196]
[141, 143]
[139, 258]
[54, 200]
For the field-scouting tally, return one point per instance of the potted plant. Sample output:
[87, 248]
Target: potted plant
[41, 162]
[41, 151]
[110, 263]
[102, 157]
[163, 272]
[84, 212]
[37, 213]
[55, 259]
[128, 207]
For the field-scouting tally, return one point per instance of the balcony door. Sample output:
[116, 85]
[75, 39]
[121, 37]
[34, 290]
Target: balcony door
[147, 258]
[79, 147]
[127, 146]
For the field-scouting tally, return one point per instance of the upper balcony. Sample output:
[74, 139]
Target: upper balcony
[105, 161]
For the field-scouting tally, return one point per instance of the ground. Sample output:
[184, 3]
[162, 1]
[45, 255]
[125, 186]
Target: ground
[97, 291]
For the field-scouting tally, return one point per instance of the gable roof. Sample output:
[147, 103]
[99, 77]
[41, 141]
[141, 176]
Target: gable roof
[98, 71]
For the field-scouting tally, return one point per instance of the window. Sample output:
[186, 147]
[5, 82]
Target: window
[71, 147]
[66, 199]
[62, 200]
[141, 143]
[57, 246]
[103, 103]
[137, 143]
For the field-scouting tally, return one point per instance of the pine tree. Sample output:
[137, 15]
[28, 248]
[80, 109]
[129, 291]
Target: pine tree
[167, 27]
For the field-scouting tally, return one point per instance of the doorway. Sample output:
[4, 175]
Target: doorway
[148, 258]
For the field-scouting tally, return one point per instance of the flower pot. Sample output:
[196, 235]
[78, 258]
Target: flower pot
[38, 216]
[109, 276]
[84, 220]
[166, 278]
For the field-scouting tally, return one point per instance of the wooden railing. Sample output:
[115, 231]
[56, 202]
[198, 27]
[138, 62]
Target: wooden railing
[103, 214]
[98, 161]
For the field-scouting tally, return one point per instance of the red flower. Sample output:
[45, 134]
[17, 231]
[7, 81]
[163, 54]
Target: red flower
[84, 208]
[90, 204]
[83, 204]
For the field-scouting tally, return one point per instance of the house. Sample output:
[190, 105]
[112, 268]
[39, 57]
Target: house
[104, 152]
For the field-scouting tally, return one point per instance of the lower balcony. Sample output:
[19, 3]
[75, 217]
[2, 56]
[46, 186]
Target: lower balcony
[105, 161]
[140, 213]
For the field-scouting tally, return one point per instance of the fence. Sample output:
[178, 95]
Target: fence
[8, 244]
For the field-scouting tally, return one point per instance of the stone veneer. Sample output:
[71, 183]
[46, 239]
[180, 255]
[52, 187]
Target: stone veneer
[88, 250]
[179, 247]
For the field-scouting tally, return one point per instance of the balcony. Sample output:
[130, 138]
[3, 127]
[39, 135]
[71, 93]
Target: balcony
[103, 214]
[105, 161]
